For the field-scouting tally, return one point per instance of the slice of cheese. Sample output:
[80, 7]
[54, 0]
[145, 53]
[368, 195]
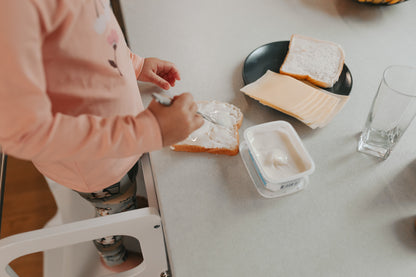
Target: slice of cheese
[315, 106]
[302, 109]
[321, 111]
[281, 92]
[293, 97]
[342, 101]
[325, 113]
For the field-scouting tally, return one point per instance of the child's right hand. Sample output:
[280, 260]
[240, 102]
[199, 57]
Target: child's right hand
[178, 120]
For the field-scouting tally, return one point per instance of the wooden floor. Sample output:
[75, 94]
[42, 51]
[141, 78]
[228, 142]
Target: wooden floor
[28, 205]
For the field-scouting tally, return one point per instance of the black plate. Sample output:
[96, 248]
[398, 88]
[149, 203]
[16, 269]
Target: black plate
[271, 56]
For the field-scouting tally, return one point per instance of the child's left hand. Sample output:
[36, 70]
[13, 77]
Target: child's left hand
[161, 73]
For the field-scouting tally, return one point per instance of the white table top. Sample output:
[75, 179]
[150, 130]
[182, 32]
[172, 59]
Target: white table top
[356, 216]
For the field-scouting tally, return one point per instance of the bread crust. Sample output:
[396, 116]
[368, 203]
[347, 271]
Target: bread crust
[222, 151]
[307, 77]
[195, 148]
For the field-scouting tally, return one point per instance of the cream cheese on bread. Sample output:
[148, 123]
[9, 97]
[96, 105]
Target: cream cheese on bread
[220, 138]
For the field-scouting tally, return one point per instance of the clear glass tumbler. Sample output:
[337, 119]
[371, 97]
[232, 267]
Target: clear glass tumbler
[391, 113]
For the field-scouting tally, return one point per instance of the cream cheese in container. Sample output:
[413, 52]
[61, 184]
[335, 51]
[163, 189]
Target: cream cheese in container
[276, 159]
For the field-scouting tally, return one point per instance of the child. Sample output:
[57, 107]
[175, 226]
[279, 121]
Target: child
[70, 103]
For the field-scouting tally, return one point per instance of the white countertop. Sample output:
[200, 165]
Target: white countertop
[356, 216]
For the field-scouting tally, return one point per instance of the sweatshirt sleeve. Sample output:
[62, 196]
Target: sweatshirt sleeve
[29, 130]
[137, 62]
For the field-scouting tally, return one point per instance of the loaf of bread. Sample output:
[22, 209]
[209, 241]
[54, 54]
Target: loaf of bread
[222, 138]
[317, 61]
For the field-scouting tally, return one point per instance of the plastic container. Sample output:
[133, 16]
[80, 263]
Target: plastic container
[276, 159]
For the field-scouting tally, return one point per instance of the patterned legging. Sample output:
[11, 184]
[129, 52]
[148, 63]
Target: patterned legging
[114, 199]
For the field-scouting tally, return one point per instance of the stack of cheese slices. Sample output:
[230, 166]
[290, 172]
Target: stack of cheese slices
[309, 65]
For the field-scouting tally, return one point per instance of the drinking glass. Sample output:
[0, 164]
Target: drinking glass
[391, 113]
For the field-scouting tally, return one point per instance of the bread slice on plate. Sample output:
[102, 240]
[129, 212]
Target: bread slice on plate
[213, 138]
[317, 61]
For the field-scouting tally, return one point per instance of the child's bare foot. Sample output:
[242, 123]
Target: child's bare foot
[133, 260]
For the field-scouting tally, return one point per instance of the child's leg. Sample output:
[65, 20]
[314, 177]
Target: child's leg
[114, 199]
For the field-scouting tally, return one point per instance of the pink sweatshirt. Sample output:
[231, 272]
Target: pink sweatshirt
[69, 96]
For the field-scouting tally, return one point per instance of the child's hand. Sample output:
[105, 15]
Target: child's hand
[178, 120]
[161, 73]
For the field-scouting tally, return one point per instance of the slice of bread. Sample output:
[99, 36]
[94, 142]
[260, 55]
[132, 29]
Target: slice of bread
[317, 61]
[215, 138]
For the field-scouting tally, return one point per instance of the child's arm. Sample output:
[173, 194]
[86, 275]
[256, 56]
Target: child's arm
[29, 129]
